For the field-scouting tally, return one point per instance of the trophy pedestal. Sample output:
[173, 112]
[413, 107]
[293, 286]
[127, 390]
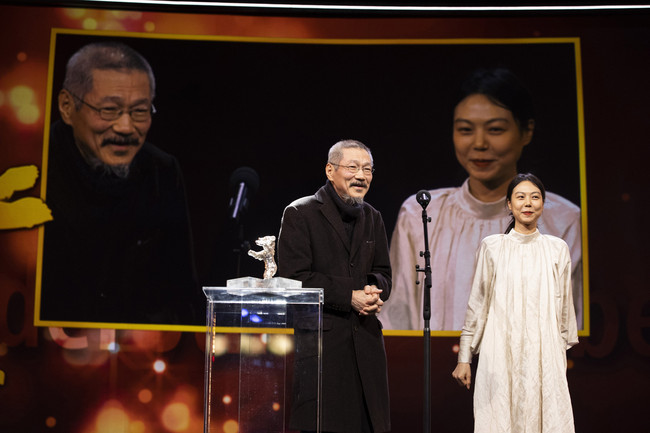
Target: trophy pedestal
[251, 350]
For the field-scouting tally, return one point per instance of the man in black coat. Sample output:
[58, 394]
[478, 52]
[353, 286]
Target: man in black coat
[119, 247]
[335, 241]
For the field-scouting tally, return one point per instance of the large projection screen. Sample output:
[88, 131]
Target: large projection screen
[277, 105]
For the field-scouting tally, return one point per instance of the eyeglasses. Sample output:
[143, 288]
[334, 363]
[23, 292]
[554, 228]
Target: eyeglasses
[354, 169]
[113, 113]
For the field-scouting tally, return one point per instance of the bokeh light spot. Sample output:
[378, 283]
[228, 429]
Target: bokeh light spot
[28, 114]
[226, 399]
[149, 26]
[75, 13]
[569, 364]
[251, 345]
[20, 96]
[280, 344]
[137, 427]
[455, 348]
[120, 15]
[21, 56]
[176, 417]
[230, 426]
[159, 366]
[89, 24]
[276, 406]
[112, 419]
[145, 395]
[3, 349]
[50, 421]
[219, 345]
[147, 340]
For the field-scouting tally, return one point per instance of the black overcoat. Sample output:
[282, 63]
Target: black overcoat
[313, 247]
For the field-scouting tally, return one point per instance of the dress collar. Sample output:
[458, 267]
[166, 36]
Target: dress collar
[524, 239]
[484, 210]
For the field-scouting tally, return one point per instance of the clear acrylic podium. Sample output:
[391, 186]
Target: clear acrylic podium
[251, 353]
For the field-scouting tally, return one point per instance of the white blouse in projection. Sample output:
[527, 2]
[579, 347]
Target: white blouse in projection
[458, 223]
[520, 318]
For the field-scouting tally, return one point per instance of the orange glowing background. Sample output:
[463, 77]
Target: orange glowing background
[134, 381]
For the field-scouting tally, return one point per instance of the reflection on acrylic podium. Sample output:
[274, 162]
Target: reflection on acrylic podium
[259, 332]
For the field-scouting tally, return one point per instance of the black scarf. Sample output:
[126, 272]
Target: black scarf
[349, 212]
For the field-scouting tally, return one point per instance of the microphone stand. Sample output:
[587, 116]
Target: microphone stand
[426, 314]
[247, 181]
[242, 247]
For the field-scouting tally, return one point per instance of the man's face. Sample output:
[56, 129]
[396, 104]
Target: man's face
[351, 186]
[114, 142]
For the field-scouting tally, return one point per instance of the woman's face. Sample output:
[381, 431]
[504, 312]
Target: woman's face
[488, 140]
[526, 204]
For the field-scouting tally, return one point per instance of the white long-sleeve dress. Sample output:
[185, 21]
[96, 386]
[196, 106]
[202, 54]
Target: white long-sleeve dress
[458, 223]
[520, 317]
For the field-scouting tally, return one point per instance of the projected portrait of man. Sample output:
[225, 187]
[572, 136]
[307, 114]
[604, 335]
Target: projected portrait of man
[119, 246]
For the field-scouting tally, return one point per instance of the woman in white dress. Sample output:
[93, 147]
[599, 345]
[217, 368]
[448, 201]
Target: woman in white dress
[520, 317]
[492, 124]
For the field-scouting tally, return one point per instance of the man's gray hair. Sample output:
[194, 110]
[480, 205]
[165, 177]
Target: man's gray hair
[335, 154]
[103, 56]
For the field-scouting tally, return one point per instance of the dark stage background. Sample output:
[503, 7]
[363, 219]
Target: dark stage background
[236, 110]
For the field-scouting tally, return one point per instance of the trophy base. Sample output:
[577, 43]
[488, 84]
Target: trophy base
[270, 283]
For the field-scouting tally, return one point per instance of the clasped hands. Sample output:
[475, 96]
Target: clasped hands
[367, 301]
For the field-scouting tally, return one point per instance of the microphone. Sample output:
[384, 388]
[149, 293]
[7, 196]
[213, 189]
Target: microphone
[423, 197]
[245, 182]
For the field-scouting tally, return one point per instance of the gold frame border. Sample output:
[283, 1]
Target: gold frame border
[585, 332]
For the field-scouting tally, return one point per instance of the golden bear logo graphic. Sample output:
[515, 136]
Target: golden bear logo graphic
[24, 212]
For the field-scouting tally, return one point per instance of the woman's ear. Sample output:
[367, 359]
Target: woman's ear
[528, 132]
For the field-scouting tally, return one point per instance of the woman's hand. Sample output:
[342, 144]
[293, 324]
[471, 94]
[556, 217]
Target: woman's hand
[463, 374]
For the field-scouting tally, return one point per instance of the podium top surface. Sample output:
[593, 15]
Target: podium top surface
[257, 295]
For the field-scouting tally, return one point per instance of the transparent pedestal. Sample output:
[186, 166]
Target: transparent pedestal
[252, 353]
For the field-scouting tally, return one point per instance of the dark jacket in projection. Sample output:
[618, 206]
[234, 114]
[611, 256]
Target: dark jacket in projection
[117, 250]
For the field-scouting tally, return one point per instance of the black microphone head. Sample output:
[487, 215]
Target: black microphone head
[423, 197]
[246, 175]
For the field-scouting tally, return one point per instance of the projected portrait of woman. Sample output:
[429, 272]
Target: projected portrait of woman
[493, 122]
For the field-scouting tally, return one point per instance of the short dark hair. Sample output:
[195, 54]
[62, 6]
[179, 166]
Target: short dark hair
[103, 56]
[335, 153]
[502, 87]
